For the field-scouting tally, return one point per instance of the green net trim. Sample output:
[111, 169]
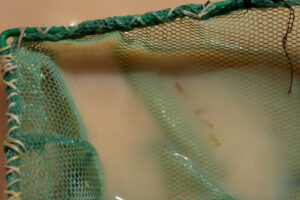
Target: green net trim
[127, 23]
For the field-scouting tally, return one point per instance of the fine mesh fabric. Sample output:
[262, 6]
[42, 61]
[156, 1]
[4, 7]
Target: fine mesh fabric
[58, 161]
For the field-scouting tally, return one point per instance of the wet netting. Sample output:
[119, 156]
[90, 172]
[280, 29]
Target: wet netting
[218, 80]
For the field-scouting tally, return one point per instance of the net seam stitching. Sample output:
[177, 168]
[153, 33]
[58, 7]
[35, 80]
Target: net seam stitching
[109, 24]
[10, 142]
[135, 19]
[206, 8]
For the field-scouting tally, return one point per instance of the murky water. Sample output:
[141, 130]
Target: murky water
[124, 132]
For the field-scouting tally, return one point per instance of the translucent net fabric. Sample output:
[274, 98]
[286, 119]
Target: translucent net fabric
[58, 162]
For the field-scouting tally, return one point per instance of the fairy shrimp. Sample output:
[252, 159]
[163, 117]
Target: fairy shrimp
[179, 88]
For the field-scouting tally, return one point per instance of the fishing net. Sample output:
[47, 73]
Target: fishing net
[170, 60]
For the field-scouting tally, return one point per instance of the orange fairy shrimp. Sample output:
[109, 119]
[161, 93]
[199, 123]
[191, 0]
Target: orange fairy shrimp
[198, 111]
[215, 140]
[211, 125]
[179, 88]
[213, 137]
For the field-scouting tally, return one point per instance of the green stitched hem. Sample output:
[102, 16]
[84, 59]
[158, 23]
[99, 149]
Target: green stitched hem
[127, 23]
